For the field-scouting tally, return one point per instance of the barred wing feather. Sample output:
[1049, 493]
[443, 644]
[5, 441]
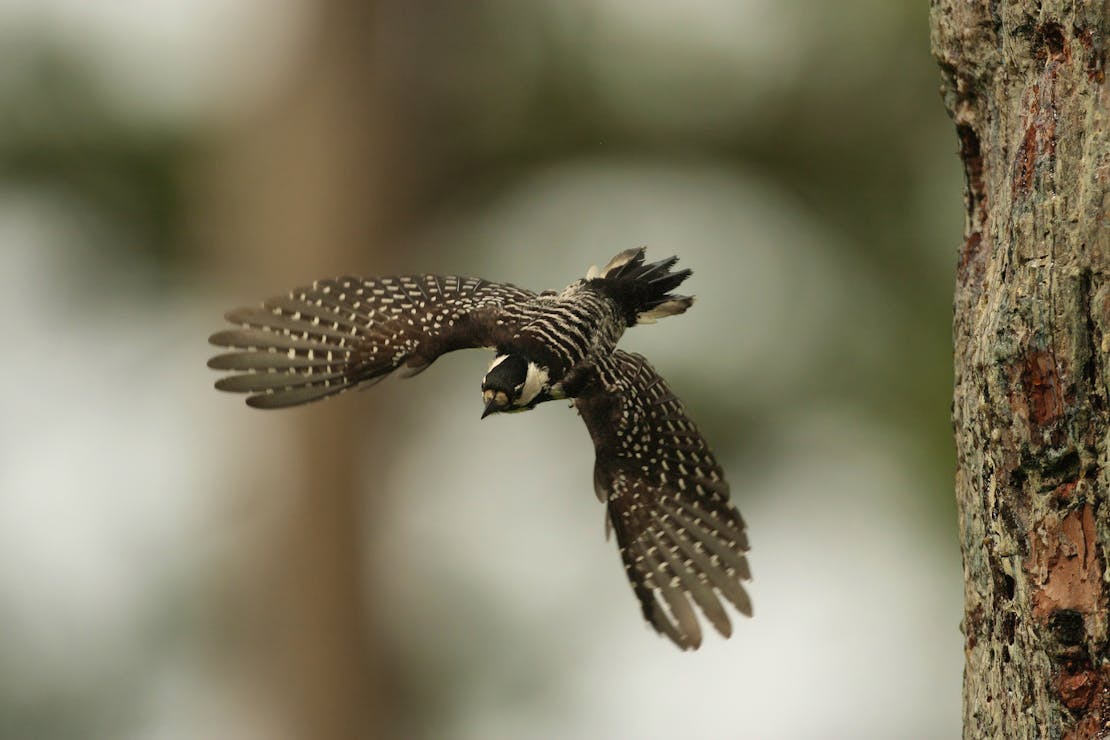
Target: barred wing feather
[681, 540]
[338, 334]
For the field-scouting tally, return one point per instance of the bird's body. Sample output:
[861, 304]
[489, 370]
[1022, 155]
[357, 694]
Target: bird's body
[667, 500]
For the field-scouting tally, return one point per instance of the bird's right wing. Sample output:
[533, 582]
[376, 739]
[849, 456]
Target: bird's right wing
[667, 500]
[334, 335]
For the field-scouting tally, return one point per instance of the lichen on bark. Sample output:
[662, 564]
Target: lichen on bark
[1025, 85]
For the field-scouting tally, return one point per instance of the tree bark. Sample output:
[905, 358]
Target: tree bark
[293, 195]
[1024, 83]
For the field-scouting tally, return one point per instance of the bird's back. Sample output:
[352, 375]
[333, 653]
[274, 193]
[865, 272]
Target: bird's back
[588, 318]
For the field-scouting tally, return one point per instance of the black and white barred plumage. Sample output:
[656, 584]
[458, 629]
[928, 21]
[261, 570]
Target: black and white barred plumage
[681, 541]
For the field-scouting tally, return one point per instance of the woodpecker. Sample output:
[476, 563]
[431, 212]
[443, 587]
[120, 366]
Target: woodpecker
[682, 542]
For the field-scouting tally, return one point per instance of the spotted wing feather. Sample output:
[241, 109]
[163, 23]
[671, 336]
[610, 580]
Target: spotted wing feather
[682, 543]
[349, 332]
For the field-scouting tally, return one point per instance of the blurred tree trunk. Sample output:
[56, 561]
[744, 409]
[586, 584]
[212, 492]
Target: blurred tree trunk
[293, 195]
[1024, 83]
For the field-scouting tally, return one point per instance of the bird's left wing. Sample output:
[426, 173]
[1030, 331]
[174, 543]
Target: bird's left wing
[333, 335]
[667, 500]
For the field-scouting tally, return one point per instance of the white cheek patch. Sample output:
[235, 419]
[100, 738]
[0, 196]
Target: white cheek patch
[496, 361]
[534, 382]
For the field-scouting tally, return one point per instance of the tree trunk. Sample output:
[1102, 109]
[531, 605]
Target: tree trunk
[293, 195]
[1024, 83]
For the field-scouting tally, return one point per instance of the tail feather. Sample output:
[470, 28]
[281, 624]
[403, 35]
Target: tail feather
[624, 262]
[643, 290]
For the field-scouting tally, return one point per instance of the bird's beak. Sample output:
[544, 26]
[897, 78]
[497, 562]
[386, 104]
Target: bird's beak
[491, 407]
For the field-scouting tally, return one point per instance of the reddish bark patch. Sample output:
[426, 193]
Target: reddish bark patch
[1086, 692]
[1064, 567]
[1046, 145]
[971, 154]
[1038, 145]
[1040, 378]
[1025, 163]
[972, 264]
[1089, 727]
[973, 627]
[1051, 43]
[1064, 493]
[1095, 61]
[1076, 690]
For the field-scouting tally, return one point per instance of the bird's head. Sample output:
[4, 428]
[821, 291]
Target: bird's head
[513, 383]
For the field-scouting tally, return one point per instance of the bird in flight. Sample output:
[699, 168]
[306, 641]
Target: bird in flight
[681, 540]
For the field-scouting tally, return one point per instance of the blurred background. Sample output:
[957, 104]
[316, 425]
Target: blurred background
[174, 565]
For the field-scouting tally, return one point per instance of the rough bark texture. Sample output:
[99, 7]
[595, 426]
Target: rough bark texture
[1024, 83]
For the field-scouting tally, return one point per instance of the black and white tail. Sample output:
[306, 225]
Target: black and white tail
[643, 290]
